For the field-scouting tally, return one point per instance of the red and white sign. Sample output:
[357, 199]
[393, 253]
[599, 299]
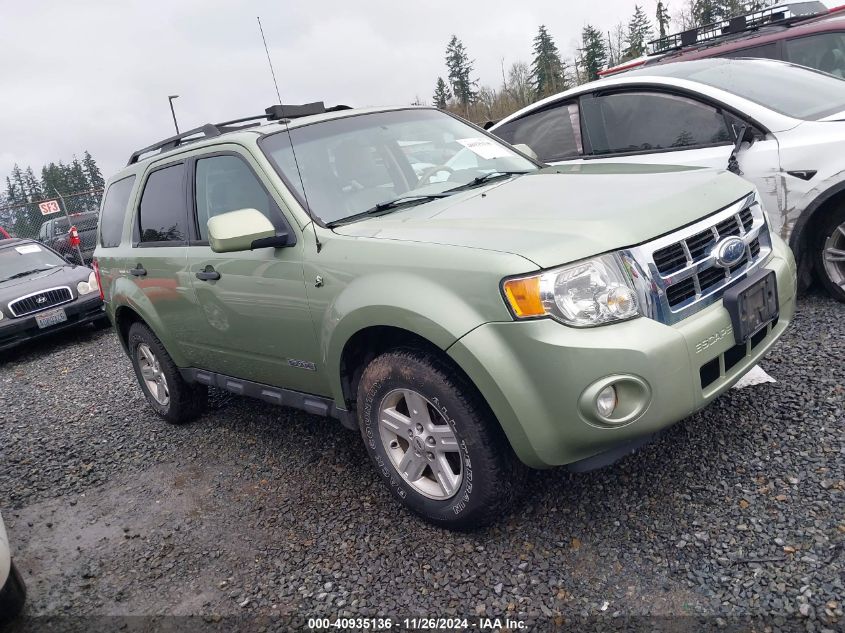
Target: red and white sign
[49, 207]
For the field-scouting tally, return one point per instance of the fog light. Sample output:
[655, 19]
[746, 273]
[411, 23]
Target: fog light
[606, 401]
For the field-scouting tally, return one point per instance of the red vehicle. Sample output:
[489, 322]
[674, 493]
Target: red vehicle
[804, 33]
[3, 234]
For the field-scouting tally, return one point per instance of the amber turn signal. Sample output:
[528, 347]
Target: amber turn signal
[523, 295]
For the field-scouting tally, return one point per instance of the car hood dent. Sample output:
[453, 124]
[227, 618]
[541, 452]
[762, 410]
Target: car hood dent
[564, 213]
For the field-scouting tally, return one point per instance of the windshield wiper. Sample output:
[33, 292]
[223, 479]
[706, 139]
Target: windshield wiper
[384, 207]
[27, 272]
[480, 180]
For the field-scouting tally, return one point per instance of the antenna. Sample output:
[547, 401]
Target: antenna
[286, 121]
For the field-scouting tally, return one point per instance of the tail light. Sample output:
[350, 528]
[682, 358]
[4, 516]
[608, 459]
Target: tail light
[96, 268]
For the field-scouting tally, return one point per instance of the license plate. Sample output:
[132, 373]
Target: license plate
[51, 318]
[752, 304]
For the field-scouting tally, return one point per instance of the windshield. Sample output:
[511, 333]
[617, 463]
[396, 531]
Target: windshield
[795, 91]
[17, 260]
[352, 164]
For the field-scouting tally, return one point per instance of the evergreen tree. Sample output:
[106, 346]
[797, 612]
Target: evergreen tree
[593, 52]
[726, 9]
[92, 172]
[547, 71]
[663, 18]
[441, 94]
[33, 186]
[639, 32]
[705, 11]
[460, 73]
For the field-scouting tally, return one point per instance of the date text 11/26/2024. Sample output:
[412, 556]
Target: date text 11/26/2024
[415, 624]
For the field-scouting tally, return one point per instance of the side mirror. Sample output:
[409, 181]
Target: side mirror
[522, 147]
[70, 258]
[243, 230]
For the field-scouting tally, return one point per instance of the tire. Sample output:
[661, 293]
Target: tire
[484, 476]
[12, 596]
[175, 400]
[830, 240]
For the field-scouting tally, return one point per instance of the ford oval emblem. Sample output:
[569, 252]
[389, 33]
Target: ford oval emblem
[729, 252]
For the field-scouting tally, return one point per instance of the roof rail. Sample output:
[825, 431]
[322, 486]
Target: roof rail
[777, 14]
[210, 130]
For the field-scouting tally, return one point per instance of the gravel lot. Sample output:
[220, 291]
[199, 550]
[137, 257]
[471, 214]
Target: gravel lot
[265, 513]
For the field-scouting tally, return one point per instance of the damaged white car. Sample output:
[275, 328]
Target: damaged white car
[780, 126]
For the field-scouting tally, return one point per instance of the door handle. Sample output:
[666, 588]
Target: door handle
[138, 271]
[208, 274]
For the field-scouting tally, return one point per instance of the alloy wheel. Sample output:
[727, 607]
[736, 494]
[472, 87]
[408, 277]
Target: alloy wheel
[834, 256]
[421, 444]
[153, 377]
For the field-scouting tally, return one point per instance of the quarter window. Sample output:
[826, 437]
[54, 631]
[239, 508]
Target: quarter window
[114, 210]
[162, 213]
[648, 122]
[226, 183]
[825, 52]
[553, 133]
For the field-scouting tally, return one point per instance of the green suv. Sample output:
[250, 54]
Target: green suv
[471, 312]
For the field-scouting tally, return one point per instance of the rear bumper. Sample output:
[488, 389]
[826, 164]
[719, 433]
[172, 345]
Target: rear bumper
[14, 331]
[540, 377]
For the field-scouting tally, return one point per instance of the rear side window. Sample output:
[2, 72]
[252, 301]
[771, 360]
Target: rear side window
[114, 209]
[764, 51]
[647, 122]
[162, 213]
[825, 52]
[226, 183]
[554, 133]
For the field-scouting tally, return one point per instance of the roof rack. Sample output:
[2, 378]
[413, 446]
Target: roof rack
[210, 130]
[778, 14]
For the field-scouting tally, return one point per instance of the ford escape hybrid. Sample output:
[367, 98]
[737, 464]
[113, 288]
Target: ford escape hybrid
[470, 312]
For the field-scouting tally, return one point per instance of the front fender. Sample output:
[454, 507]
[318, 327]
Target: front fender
[402, 300]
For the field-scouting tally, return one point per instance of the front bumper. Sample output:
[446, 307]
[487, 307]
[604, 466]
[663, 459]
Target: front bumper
[80, 311]
[534, 374]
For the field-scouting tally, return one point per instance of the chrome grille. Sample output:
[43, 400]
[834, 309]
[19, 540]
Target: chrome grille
[40, 300]
[682, 269]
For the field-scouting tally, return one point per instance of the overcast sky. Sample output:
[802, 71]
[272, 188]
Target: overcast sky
[95, 75]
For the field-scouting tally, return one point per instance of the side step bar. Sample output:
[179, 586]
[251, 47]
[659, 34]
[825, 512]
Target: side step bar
[315, 405]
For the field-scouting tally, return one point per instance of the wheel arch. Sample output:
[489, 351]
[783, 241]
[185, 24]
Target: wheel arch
[803, 231]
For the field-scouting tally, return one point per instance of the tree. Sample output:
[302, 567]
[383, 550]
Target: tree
[520, 85]
[663, 18]
[639, 32]
[705, 11]
[459, 66]
[726, 9]
[441, 94]
[615, 44]
[547, 70]
[92, 172]
[593, 52]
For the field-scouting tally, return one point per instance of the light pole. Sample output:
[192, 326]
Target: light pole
[173, 112]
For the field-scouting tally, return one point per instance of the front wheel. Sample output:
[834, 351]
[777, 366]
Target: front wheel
[435, 442]
[830, 254]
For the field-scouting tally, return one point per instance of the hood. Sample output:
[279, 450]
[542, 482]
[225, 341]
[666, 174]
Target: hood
[59, 276]
[565, 213]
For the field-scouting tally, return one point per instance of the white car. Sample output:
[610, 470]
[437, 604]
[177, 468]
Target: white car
[792, 144]
[12, 588]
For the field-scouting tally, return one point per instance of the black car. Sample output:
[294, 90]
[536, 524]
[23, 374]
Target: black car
[41, 293]
[55, 233]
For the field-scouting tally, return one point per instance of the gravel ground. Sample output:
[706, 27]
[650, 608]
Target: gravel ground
[268, 514]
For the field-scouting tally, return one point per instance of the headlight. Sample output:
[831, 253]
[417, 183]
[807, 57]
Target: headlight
[587, 293]
[87, 287]
[1, 315]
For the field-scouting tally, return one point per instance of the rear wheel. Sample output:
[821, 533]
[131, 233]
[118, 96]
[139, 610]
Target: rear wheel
[172, 397]
[12, 596]
[435, 442]
[830, 254]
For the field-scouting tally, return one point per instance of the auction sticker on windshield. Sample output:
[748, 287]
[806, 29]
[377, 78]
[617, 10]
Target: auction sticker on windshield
[28, 248]
[486, 148]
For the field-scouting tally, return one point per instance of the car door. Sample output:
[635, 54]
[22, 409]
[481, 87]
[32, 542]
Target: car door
[157, 263]
[254, 318]
[660, 127]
